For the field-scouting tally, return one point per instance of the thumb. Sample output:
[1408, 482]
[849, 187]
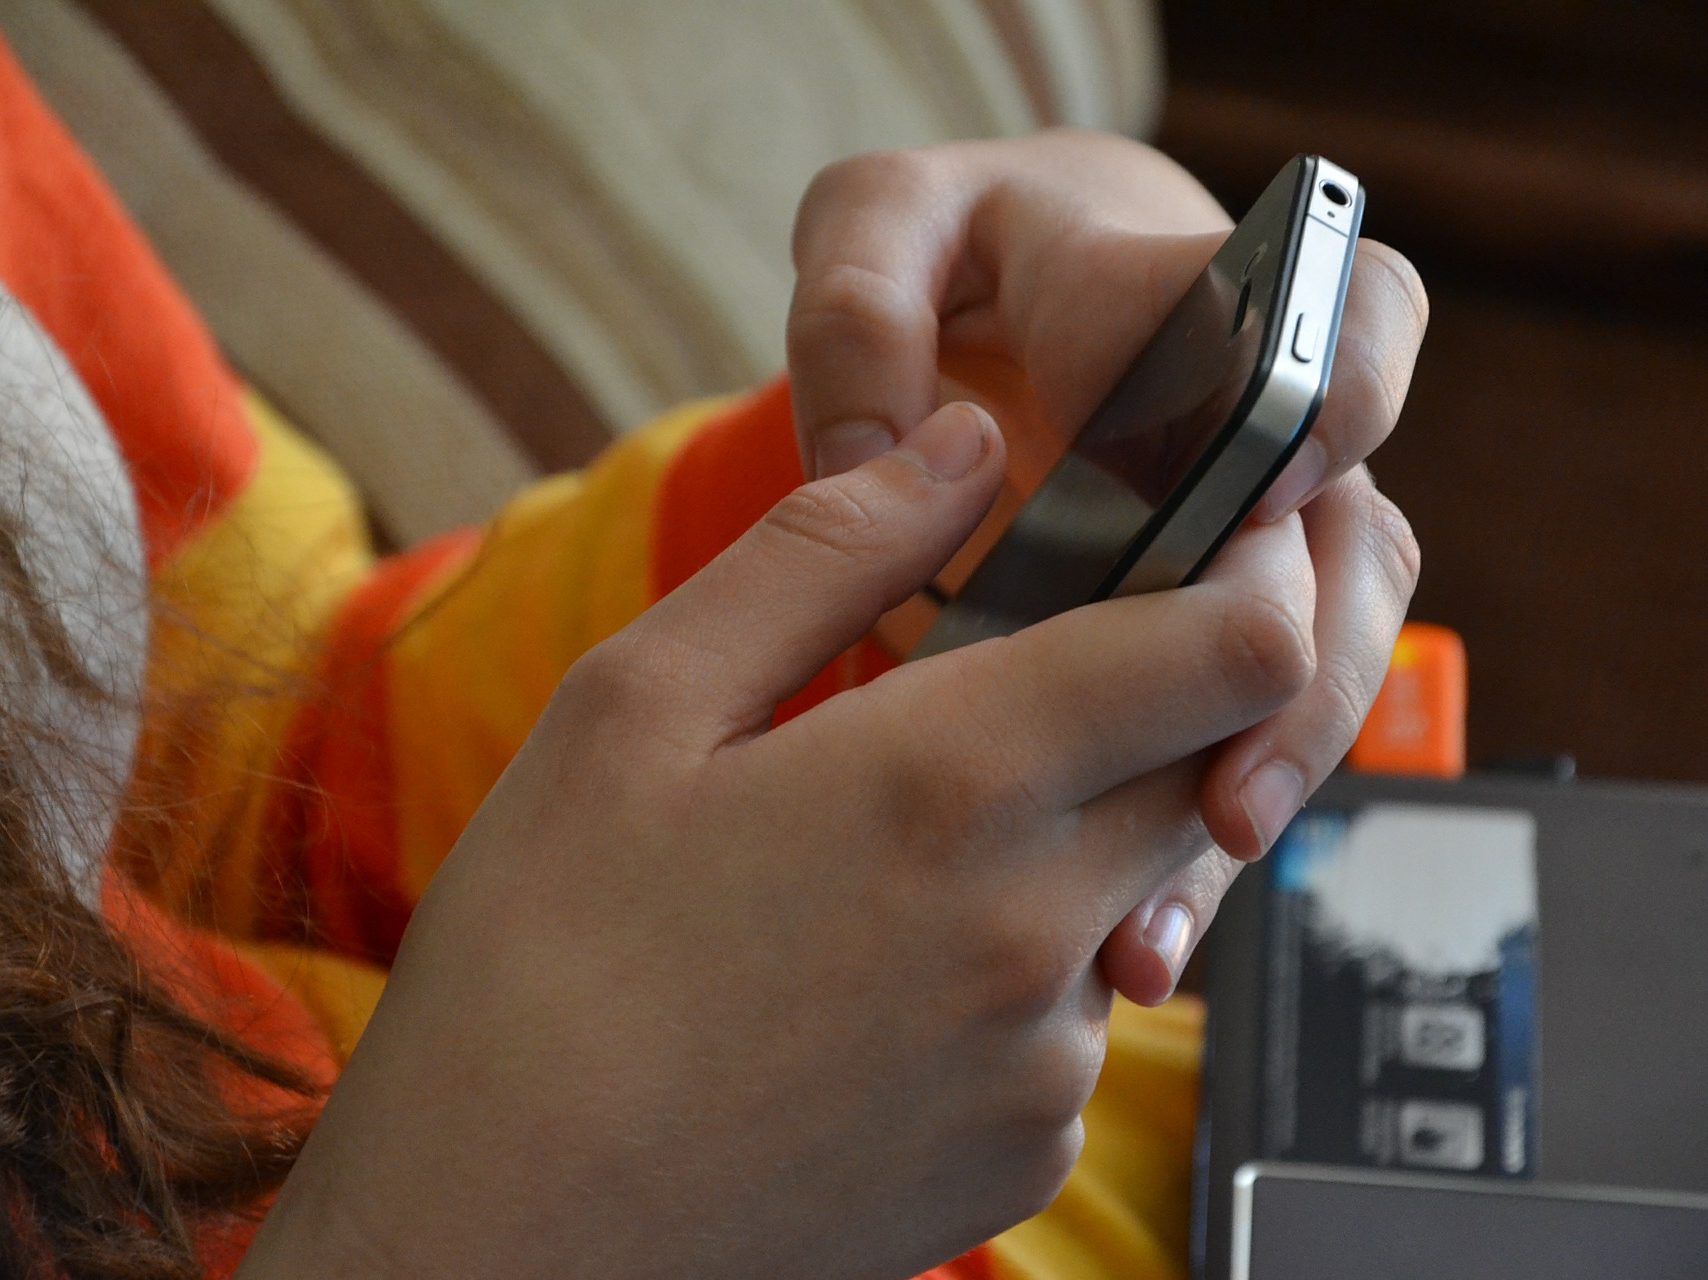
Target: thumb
[814, 575]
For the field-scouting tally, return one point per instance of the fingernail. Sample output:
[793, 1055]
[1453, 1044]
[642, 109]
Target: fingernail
[848, 445]
[1270, 798]
[1169, 934]
[1295, 483]
[950, 443]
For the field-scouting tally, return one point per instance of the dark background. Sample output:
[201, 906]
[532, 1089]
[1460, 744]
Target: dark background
[1545, 165]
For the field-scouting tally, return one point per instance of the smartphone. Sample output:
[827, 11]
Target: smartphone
[1199, 425]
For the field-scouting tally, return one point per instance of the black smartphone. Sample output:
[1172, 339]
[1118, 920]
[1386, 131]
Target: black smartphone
[1201, 423]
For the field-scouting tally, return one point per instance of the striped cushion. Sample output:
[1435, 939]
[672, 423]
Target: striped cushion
[462, 244]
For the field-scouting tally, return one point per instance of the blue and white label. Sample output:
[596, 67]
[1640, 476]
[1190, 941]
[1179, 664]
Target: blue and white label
[1400, 990]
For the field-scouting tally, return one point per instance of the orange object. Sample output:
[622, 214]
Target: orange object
[1417, 725]
[70, 254]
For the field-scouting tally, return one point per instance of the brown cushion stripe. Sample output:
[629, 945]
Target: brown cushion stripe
[227, 97]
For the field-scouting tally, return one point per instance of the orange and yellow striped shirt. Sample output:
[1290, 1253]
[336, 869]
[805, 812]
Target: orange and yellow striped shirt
[324, 721]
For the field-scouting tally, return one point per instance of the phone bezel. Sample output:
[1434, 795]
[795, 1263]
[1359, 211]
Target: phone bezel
[1276, 408]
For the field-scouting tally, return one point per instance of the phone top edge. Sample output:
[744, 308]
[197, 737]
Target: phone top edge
[1280, 401]
[1330, 339]
[1336, 196]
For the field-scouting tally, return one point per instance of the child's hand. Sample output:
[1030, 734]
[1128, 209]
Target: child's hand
[697, 997]
[1061, 253]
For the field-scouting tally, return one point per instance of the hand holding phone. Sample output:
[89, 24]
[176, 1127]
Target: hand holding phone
[1194, 432]
[1031, 270]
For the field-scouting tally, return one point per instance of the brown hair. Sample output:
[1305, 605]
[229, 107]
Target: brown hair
[121, 1145]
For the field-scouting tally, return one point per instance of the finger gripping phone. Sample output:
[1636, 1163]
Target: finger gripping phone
[1199, 425]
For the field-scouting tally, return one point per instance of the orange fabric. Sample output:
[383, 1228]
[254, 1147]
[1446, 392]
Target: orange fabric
[731, 473]
[69, 254]
[223, 987]
[335, 860]
[239, 611]
[973, 1265]
[226, 990]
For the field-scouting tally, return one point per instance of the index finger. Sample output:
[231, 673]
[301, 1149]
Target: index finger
[875, 242]
[891, 247]
[1070, 707]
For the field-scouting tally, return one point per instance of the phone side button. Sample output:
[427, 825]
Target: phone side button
[1305, 339]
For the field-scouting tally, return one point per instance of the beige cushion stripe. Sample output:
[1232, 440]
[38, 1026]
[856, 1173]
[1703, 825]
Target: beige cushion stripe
[1013, 26]
[223, 94]
[951, 56]
[471, 157]
[624, 173]
[424, 450]
[1130, 36]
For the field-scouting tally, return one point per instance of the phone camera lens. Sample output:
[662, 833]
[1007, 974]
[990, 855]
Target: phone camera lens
[1336, 194]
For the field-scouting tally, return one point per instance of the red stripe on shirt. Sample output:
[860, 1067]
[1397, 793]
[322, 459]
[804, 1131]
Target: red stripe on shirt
[333, 875]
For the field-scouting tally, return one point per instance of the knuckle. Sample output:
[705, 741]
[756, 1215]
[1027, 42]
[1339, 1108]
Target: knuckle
[897, 178]
[927, 789]
[970, 804]
[1269, 646]
[1026, 970]
[638, 688]
[839, 515]
[826, 187]
[891, 173]
[851, 304]
[612, 680]
[966, 796]
[1392, 543]
[994, 796]
[1062, 1085]
[996, 800]
[980, 789]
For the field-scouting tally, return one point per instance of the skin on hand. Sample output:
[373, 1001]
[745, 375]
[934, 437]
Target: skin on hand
[1052, 259]
[692, 996]
[696, 996]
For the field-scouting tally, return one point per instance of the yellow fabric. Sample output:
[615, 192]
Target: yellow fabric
[236, 614]
[1124, 1211]
[340, 993]
[565, 565]
[241, 612]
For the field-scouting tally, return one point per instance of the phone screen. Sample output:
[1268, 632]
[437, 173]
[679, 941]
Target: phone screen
[1174, 401]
